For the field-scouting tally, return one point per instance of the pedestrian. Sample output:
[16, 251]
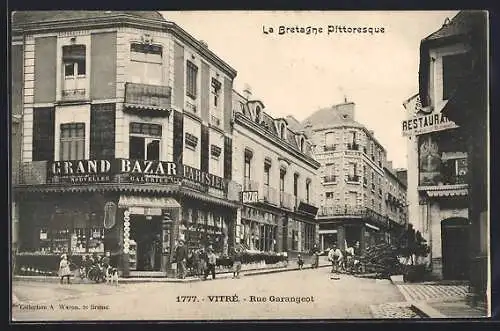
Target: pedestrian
[64, 270]
[212, 261]
[300, 261]
[181, 255]
[315, 252]
[338, 259]
[202, 263]
[195, 262]
[237, 262]
[331, 258]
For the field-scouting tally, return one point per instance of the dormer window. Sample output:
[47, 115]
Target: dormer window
[257, 114]
[282, 131]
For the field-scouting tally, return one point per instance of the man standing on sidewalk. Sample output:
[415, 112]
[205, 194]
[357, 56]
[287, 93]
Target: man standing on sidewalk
[181, 255]
[212, 261]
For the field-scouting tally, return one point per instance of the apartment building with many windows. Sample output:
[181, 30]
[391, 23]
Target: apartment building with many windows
[353, 201]
[126, 139]
[274, 164]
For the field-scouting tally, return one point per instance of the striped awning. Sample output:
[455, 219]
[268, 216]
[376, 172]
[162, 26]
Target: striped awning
[208, 198]
[147, 202]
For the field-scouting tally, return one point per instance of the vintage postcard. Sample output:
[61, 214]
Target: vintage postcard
[248, 165]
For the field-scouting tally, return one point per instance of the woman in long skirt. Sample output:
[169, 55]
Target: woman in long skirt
[64, 270]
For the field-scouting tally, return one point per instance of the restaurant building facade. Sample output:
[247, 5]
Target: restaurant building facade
[126, 139]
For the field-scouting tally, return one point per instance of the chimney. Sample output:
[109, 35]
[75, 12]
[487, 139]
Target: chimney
[389, 165]
[345, 110]
[371, 133]
[247, 92]
[204, 43]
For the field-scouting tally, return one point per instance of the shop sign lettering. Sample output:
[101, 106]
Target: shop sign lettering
[135, 171]
[427, 123]
[250, 196]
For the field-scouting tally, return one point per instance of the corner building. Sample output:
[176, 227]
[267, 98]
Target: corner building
[126, 141]
[275, 164]
[361, 198]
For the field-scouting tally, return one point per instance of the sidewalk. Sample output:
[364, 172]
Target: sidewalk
[441, 299]
[224, 275]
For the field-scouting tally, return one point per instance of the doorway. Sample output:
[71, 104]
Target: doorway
[455, 244]
[146, 231]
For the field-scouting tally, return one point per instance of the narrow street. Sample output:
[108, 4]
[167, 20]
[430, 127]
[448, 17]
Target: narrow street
[323, 298]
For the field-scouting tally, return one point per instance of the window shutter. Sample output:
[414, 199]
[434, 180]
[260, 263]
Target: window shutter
[205, 150]
[228, 157]
[102, 131]
[43, 134]
[178, 136]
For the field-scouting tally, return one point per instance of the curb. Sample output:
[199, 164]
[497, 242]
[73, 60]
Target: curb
[225, 275]
[426, 310]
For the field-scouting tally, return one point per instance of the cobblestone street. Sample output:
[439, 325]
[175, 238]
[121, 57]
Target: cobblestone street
[325, 298]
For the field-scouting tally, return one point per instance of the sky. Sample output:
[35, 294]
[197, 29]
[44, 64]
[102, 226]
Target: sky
[298, 73]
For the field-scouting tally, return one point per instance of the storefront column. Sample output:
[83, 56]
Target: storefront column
[341, 237]
[125, 234]
[279, 234]
[362, 241]
[238, 226]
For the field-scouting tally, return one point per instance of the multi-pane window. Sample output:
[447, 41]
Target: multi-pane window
[282, 183]
[145, 140]
[74, 60]
[191, 79]
[329, 173]
[296, 188]
[74, 71]
[248, 164]
[308, 190]
[72, 141]
[329, 141]
[216, 113]
[454, 68]
[267, 168]
[146, 64]
[352, 176]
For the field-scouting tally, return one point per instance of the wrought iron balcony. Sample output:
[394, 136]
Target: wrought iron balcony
[270, 195]
[328, 148]
[353, 178]
[352, 146]
[73, 94]
[250, 185]
[145, 96]
[330, 179]
[286, 200]
[214, 120]
[31, 173]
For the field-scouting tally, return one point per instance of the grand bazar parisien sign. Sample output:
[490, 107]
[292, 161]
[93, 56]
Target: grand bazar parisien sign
[132, 171]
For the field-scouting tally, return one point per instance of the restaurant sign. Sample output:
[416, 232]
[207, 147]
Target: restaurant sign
[425, 124]
[130, 171]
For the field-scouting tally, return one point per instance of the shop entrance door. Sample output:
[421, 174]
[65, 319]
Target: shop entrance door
[455, 243]
[146, 231]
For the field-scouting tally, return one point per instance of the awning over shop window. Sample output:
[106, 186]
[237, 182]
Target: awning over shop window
[147, 202]
[372, 227]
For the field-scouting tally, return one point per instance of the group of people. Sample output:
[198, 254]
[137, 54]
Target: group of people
[92, 267]
[202, 260]
[347, 260]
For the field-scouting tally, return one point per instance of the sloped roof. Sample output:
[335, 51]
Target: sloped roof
[460, 24]
[21, 17]
[328, 117]
[293, 123]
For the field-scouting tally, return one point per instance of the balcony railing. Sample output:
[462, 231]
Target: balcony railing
[270, 195]
[214, 120]
[250, 185]
[286, 200]
[352, 146]
[346, 210]
[353, 178]
[191, 107]
[31, 173]
[328, 148]
[73, 94]
[145, 96]
[330, 179]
